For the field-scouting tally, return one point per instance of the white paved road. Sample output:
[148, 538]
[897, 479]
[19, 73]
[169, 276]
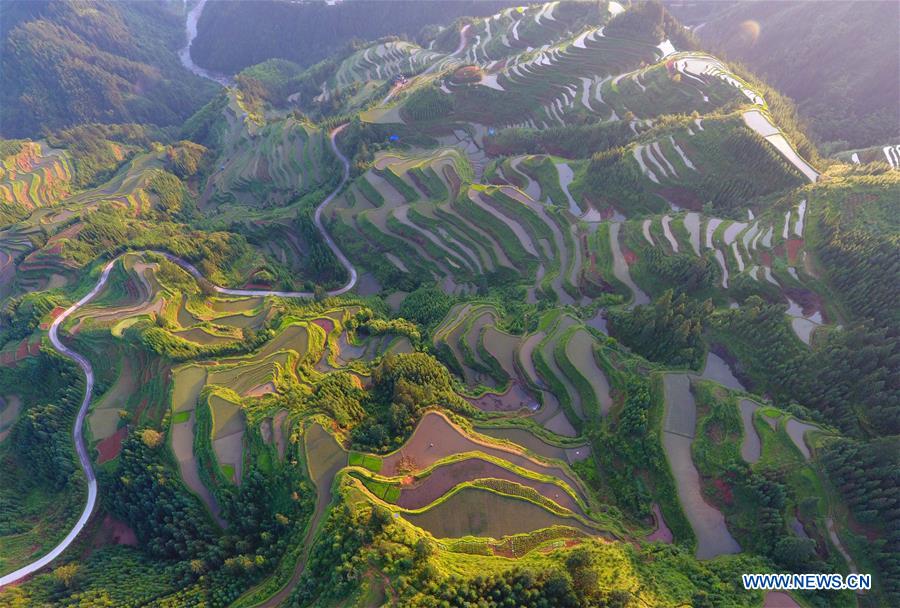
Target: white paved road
[85, 365]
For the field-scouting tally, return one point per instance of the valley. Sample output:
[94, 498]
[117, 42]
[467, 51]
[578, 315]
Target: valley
[545, 306]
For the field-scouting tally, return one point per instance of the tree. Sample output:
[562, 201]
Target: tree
[152, 438]
[66, 574]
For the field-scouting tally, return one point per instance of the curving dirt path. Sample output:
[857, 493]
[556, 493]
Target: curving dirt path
[85, 365]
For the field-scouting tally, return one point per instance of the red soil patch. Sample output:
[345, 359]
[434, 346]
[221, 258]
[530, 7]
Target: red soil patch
[779, 599]
[630, 257]
[662, 532]
[503, 551]
[607, 212]
[452, 179]
[682, 197]
[793, 248]
[22, 350]
[724, 490]
[114, 532]
[34, 349]
[27, 158]
[326, 324]
[69, 233]
[466, 74]
[110, 447]
[861, 530]
[765, 258]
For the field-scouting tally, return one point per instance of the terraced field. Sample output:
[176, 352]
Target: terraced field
[444, 478]
[288, 158]
[436, 438]
[479, 512]
[496, 205]
[769, 250]
[36, 176]
[707, 522]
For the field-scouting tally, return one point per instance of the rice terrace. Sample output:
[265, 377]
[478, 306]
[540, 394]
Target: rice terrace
[447, 304]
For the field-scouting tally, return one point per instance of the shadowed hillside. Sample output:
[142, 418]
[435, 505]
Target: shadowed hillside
[67, 63]
[237, 34]
[838, 60]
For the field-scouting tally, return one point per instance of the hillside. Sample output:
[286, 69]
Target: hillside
[237, 34]
[547, 307]
[831, 58]
[94, 61]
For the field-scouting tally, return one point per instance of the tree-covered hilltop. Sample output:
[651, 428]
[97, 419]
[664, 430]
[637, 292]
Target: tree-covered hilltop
[96, 61]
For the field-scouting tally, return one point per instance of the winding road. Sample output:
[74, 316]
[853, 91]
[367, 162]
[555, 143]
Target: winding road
[85, 365]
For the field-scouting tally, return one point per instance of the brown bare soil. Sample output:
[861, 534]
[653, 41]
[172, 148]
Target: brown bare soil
[110, 447]
[662, 533]
[682, 197]
[793, 248]
[810, 302]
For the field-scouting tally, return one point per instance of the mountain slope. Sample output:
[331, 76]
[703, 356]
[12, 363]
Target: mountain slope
[96, 61]
[547, 308]
[837, 60]
[236, 34]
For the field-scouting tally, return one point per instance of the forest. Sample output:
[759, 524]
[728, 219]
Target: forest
[448, 304]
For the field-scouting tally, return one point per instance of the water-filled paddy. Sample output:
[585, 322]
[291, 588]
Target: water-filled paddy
[796, 430]
[436, 437]
[189, 381]
[478, 512]
[708, 523]
[444, 478]
[529, 440]
[717, 370]
[751, 448]
[580, 351]
[620, 267]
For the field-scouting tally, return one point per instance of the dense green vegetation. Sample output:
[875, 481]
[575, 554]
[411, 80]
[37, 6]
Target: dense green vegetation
[99, 62]
[866, 474]
[588, 288]
[403, 386]
[835, 378]
[669, 331]
[21, 316]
